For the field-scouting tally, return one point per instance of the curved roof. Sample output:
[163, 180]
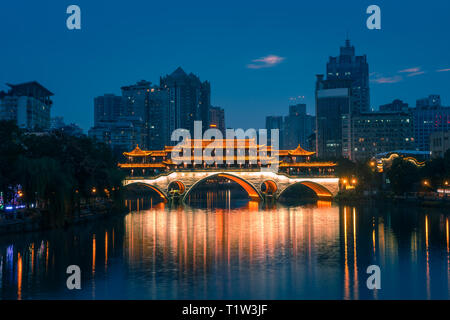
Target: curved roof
[137, 152]
[299, 151]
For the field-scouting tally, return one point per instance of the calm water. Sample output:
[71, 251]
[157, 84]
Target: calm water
[315, 251]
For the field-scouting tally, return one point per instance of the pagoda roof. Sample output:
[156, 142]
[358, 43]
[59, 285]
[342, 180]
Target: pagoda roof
[299, 151]
[137, 152]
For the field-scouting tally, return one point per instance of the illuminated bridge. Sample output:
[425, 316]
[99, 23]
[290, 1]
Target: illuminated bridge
[247, 164]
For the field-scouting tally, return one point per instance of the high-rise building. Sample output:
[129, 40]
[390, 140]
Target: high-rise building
[298, 126]
[344, 93]
[378, 132]
[217, 119]
[429, 116]
[28, 104]
[189, 100]
[333, 105]
[151, 104]
[348, 66]
[107, 108]
[275, 122]
[157, 118]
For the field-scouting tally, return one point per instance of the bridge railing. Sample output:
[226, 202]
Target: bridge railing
[166, 173]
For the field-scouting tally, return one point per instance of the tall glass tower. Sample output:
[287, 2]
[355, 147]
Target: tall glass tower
[348, 66]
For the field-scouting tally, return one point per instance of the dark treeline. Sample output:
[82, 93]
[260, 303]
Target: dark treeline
[402, 176]
[56, 172]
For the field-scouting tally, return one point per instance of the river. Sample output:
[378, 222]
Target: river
[243, 250]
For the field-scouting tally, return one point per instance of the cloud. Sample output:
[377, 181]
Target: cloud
[413, 74]
[410, 70]
[443, 70]
[265, 62]
[381, 79]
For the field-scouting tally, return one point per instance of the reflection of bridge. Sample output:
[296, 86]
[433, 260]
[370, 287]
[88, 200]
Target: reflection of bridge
[257, 184]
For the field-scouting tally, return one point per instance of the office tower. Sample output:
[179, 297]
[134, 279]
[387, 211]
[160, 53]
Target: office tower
[150, 103]
[348, 66]
[333, 105]
[157, 118]
[135, 103]
[378, 132]
[189, 100]
[429, 116]
[217, 119]
[275, 122]
[107, 108]
[28, 104]
[298, 126]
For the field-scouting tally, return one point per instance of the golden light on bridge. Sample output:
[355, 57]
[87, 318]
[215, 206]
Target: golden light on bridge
[252, 193]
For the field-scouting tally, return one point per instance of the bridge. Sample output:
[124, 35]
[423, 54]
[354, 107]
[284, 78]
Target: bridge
[258, 185]
[247, 164]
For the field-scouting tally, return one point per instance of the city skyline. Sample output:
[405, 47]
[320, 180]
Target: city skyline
[256, 60]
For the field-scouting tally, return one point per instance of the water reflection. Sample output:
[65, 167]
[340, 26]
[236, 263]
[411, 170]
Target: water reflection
[260, 251]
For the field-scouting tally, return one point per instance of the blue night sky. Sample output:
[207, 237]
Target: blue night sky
[122, 42]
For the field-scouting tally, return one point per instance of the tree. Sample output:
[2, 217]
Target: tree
[402, 176]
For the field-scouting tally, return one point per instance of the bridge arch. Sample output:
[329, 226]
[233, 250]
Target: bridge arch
[269, 187]
[152, 187]
[178, 185]
[251, 190]
[322, 192]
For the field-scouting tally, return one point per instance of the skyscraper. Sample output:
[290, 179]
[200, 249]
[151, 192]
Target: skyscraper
[343, 94]
[348, 66]
[150, 103]
[298, 126]
[275, 122]
[107, 108]
[333, 105]
[217, 119]
[28, 104]
[189, 100]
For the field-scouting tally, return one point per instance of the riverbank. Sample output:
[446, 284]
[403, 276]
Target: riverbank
[421, 200]
[28, 220]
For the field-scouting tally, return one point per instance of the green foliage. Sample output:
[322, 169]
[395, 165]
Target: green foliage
[403, 175]
[52, 168]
